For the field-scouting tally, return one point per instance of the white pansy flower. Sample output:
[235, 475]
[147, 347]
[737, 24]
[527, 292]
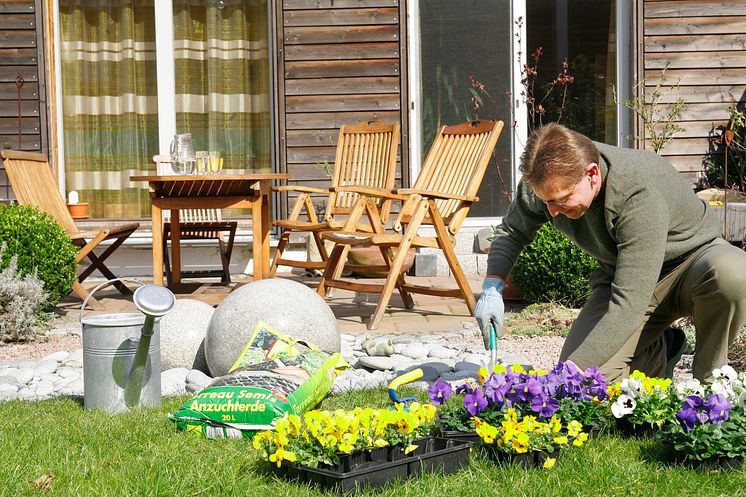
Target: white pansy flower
[725, 372]
[623, 405]
[722, 387]
[631, 387]
[690, 387]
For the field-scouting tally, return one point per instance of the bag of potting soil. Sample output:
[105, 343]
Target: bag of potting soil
[274, 374]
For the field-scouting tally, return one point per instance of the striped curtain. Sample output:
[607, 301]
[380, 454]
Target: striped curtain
[222, 79]
[109, 102]
[109, 86]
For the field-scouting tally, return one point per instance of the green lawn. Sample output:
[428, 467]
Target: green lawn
[140, 453]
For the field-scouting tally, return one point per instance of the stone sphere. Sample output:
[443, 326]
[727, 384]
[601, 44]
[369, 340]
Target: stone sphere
[290, 307]
[183, 333]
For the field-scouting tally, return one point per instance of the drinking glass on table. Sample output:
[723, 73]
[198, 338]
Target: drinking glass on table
[202, 161]
[215, 162]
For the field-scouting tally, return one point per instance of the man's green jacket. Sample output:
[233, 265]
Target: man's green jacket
[645, 221]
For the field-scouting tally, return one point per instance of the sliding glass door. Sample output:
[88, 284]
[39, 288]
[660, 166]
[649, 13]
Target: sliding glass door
[110, 62]
[464, 73]
[526, 62]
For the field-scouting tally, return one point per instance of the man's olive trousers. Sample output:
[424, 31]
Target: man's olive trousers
[709, 286]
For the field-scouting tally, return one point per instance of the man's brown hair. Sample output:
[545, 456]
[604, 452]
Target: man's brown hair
[554, 151]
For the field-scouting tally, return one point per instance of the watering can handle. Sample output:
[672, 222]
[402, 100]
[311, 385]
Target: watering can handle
[99, 287]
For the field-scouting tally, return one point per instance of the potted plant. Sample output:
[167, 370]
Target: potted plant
[453, 420]
[359, 447]
[527, 440]
[583, 396]
[565, 391]
[710, 431]
[643, 405]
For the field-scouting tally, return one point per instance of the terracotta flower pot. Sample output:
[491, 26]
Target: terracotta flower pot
[511, 291]
[79, 210]
[371, 256]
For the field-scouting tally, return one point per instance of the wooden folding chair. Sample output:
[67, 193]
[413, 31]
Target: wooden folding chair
[33, 184]
[198, 224]
[366, 157]
[441, 198]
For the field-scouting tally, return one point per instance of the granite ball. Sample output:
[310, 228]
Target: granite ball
[290, 307]
[183, 332]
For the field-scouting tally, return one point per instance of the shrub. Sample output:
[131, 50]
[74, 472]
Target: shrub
[40, 245]
[21, 300]
[552, 269]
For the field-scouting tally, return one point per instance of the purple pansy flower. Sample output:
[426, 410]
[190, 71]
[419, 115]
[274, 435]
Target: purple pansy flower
[495, 389]
[552, 384]
[475, 402]
[465, 388]
[717, 407]
[439, 392]
[528, 389]
[691, 412]
[545, 406]
[597, 386]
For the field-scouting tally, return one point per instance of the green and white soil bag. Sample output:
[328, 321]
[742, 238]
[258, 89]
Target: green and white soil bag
[274, 374]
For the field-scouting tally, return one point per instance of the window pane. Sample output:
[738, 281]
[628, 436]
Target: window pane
[582, 32]
[222, 79]
[459, 41]
[109, 102]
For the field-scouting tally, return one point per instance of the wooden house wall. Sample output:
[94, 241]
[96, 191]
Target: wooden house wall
[338, 62]
[704, 44]
[21, 63]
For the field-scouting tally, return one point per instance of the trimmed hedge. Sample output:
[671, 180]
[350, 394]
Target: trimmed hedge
[553, 269]
[40, 244]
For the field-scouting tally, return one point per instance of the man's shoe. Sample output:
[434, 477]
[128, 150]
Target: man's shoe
[675, 345]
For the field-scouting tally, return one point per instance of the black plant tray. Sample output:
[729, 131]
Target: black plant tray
[714, 463]
[383, 466]
[468, 436]
[531, 459]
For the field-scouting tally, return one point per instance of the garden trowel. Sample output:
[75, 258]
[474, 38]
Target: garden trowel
[493, 349]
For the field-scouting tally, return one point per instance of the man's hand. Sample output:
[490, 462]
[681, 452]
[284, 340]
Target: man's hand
[490, 308]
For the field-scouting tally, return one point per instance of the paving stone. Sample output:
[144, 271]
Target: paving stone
[458, 375]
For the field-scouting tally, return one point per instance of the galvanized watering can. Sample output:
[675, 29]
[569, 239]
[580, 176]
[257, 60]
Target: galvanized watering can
[122, 352]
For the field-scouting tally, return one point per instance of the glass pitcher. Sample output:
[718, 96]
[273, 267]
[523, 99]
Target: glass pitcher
[183, 158]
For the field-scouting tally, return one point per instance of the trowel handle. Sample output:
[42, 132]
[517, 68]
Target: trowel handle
[99, 287]
[409, 377]
[493, 337]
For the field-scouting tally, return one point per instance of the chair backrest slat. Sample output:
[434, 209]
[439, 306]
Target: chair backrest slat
[33, 184]
[366, 156]
[455, 165]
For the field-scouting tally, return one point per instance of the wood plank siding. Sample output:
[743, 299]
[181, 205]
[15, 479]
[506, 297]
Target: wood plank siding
[703, 45]
[338, 62]
[23, 114]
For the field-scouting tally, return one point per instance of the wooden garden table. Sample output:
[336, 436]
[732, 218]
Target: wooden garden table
[218, 191]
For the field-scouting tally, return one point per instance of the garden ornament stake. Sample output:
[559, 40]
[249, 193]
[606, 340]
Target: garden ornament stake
[400, 380]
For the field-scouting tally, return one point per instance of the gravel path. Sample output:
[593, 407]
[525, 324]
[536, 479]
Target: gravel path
[542, 352]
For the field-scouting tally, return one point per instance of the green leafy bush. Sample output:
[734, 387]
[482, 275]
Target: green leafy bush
[40, 245]
[552, 269]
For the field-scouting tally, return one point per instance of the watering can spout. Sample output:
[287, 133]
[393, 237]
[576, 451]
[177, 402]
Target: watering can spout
[154, 301]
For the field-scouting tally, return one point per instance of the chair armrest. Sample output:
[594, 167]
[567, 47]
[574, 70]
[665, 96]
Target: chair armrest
[369, 191]
[431, 193]
[302, 189]
[80, 235]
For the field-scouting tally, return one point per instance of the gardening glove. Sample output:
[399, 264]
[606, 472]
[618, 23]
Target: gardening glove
[490, 308]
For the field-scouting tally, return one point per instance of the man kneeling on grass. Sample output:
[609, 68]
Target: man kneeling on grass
[659, 250]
